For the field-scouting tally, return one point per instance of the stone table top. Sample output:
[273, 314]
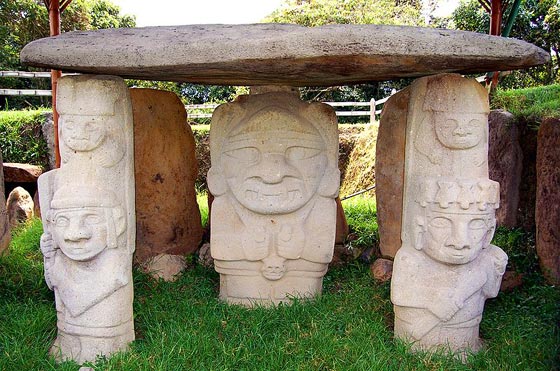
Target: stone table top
[279, 54]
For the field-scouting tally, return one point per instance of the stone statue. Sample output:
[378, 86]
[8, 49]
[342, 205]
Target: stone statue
[275, 178]
[446, 267]
[88, 219]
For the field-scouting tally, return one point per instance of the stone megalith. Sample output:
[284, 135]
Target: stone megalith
[275, 178]
[20, 207]
[89, 220]
[505, 163]
[167, 214]
[446, 267]
[5, 236]
[547, 211]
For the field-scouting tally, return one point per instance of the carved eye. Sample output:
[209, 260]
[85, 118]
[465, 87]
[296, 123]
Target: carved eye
[473, 124]
[440, 222]
[92, 219]
[247, 154]
[477, 224]
[61, 221]
[301, 153]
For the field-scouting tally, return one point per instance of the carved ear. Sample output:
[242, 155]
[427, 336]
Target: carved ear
[419, 232]
[216, 182]
[330, 183]
[489, 234]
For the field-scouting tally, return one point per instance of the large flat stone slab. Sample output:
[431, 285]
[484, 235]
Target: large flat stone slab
[283, 54]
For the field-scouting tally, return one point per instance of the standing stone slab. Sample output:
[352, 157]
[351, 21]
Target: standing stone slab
[505, 163]
[167, 215]
[548, 199]
[389, 172]
[89, 221]
[446, 267]
[5, 236]
[275, 178]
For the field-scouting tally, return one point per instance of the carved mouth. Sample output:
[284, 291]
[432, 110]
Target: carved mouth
[273, 197]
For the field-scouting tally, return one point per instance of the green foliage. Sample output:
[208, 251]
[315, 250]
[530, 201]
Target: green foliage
[21, 139]
[538, 22]
[361, 215]
[531, 104]
[22, 21]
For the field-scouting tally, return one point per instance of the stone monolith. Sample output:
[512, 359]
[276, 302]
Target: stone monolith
[275, 178]
[446, 267]
[89, 221]
[167, 214]
[5, 236]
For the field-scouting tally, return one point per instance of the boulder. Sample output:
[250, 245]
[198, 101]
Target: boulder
[21, 173]
[547, 210]
[164, 266]
[4, 219]
[167, 214]
[382, 269]
[505, 163]
[20, 206]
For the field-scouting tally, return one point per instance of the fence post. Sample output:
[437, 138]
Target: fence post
[372, 111]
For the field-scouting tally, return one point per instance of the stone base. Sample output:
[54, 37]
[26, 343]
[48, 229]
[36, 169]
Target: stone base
[248, 287]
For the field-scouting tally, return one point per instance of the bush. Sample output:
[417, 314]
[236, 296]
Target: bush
[21, 138]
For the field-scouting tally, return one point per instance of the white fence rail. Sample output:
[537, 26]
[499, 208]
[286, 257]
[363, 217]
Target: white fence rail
[207, 108]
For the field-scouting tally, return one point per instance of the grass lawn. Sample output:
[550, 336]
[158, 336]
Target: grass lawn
[183, 326]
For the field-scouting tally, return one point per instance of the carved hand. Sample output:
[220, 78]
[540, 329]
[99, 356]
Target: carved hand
[447, 308]
[47, 246]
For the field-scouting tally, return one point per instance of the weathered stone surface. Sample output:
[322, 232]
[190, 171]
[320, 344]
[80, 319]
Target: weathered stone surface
[505, 162]
[389, 172]
[205, 257]
[528, 187]
[342, 228]
[167, 215]
[279, 54]
[89, 220]
[36, 205]
[275, 179]
[5, 236]
[547, 210]
[21, 173]
[165, 266]
[19, 206]
[446, 267]
[382, 269]
[47, 129]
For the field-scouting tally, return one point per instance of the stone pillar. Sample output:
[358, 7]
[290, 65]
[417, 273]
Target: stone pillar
[275, 178]
[547, 210]
[167, 215]
[446, 267]
[4, 221]
[89, 221]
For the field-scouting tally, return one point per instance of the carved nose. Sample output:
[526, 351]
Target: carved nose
[76, 232]
[273, 168]
[459, 238]
[460, 130]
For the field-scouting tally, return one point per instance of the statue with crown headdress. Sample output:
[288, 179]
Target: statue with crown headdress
[275, 178]
[88, 219]
[446, 267]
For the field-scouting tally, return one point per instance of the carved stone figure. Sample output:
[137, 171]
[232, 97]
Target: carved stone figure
[5, 236]
[446, 267]
[275, 178]
[88, 219]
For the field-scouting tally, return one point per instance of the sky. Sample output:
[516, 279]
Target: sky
[179, 12]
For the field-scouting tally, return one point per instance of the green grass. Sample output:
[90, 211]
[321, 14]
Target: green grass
[183, 326]
[202, 201]
[531, 104]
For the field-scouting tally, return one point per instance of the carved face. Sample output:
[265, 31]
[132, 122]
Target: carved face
[83, 133]
[456, 238]
[274, 172]
[81, 233]
[460, 130]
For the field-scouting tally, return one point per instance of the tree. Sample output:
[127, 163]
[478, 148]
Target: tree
[538, 22]
[22, 21]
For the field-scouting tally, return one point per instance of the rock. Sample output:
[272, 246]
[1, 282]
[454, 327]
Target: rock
[20, 207]
[382, 269]
[167, 214]
[505, 163]
[510, 281]
[36, 205]
[47, 128]
[389, 172]
[528, 187]
[274, 178]
[547, 214]
[204, 256]
[164, 266]
[279, 54]
[342, 255]
[5, 236]
[21, 173]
